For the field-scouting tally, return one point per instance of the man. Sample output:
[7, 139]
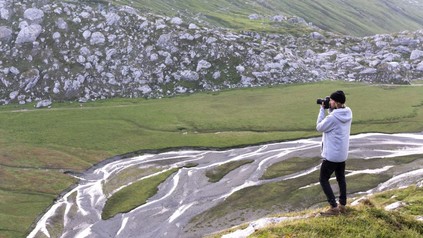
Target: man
[335, 145]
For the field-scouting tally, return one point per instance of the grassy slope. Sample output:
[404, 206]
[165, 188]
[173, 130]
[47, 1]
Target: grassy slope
[36, 146]
[369, 219]
[356, 17]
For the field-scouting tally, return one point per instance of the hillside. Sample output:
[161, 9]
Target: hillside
[358, 18]
[394, 213]
[60, 51]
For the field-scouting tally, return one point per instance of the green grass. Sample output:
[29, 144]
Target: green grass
[43, 143]
[215, 175]
[134, 195]
[289, 166]
[366, 220]
[357, 17]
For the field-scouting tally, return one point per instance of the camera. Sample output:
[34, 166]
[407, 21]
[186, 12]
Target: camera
[325, 101]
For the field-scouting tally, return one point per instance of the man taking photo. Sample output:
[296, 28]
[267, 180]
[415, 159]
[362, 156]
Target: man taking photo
[336, 128]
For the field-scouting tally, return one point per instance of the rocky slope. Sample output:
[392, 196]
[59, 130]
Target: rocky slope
[55, 51]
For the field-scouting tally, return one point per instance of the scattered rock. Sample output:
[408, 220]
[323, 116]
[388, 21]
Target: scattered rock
[395, 205]
[5, 33]
[118, 51]
[43, 103]
[34, 15]
[29, 34]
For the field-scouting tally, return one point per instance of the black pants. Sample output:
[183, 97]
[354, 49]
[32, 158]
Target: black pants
[326, 171]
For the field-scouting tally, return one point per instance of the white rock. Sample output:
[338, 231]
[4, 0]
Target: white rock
[254, 17]
[56, 35]
[216, 75]
[189, 75]
[369, 71]
[112, 18]
[5, 33]
[186, 36]
[97, 38]
[154, 57]
[84, 51]
[419, 67]
[61, 24]
[246, 81]
[416, 54]
[86, 34]
[4, 14]
[395, 206]
[192, 26]
[29, 34]
[85, 15]
[203, 64]
[34, 15]
[317, 36]
[145, 89]
[43, 103]
[30, 79]
[176, 21]
[13, 95]
[211, 40]
[240, 68]
[278, 18]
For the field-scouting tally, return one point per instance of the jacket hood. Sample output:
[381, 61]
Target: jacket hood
[343, 114]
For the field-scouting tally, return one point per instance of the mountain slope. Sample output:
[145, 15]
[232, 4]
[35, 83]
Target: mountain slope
[61, 51]
[356, 17]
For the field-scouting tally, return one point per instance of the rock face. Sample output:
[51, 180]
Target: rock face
[76, 51]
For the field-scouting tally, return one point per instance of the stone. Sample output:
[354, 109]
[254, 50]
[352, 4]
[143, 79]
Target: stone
[112, 18]
[43, 103]
[29, 34]
[317, 36]
[416, 54]
[34, 15]
[176, 21]
[97, 38]
[61, 24]
[203, 64]
[5, 33]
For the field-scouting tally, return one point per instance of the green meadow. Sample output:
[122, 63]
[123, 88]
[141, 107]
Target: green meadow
[37, 146]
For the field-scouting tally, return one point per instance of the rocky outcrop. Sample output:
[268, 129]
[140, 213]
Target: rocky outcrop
[59, 51]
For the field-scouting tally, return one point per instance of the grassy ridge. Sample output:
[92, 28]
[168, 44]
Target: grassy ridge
[356, 17]
[37, 146]
[366, 220]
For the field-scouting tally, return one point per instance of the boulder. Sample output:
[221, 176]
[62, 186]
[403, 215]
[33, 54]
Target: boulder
[203, 64]
[34, 15]
[317, 36]
[416, 54]
[62, 24]
[112, 18]
[29, 79]
[97, 38]
[43, 103]
[176, 21]
[4, 14]
[5, 33]
[28, 34]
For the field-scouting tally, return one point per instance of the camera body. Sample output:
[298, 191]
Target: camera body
[325, 101]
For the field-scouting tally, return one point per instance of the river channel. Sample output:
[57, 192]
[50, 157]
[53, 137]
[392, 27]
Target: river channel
[188, 192]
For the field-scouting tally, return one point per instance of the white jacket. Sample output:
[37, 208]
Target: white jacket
[336, 133]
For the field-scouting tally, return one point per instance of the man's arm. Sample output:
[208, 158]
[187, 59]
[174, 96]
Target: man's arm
[323, 123]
